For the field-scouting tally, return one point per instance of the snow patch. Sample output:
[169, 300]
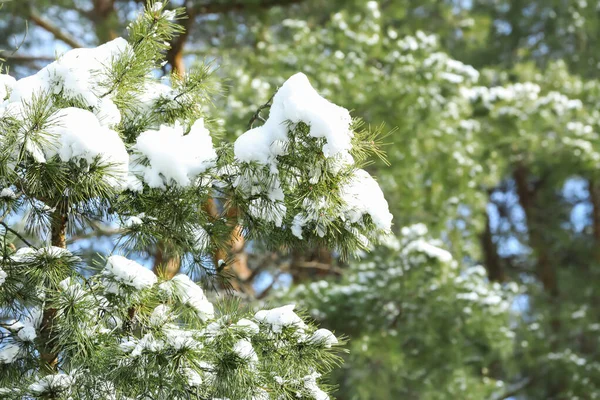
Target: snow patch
[165, 156]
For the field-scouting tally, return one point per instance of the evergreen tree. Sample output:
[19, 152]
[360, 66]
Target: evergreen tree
[94, 138]
[407, 307]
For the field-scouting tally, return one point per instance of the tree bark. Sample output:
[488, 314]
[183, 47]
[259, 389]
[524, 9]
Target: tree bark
[545, 268]
[53, 29]
[105, 20]
[236, 257]
[166, 264]
[58, 238]
[594, 189]
[492, 262]
[175, 53]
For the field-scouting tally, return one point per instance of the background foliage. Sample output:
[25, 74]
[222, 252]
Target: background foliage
[492, 109]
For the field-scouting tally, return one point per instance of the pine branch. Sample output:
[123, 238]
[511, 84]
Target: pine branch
[58, 239]
[53, 29]
[97, 231]
[259, 110]
[175, 53]
[26, 58]
[222, 8]
[17, 234]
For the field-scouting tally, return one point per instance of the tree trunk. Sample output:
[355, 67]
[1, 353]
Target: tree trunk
[165, 264]
[545, 268]
[105, 20]
[493, 265]
[594, 189]
[315, 263]
[236, 257]
[58, 238]
[175, 53]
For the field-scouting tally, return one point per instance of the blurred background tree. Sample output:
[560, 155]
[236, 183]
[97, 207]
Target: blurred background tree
[492, 112]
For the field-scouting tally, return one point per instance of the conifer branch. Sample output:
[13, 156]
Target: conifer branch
[17, 234]
[257, 114]
[43, 23]
[226, 7]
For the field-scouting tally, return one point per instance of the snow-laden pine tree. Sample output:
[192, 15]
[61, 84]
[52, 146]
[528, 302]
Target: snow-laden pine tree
[95, 136]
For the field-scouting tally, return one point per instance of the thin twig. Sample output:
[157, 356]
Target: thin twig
[54, 30]
[17, 234]
[257, 113]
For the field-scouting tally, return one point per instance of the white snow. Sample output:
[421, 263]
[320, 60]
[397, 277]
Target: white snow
[189, 293]
[193, 377]
[107, 112]
[3, 276]
[27, 333]
[78, 135]
[26, 328]
[296, 101]
[244, 349]
[160, 315]
[75, 134]
[7, 193]
[432, 251]
[362, 195]
[133, 221]
[53, 252]
[152, 91]
[323, 337]
[147, 342]
[297, 224]
[9, 352]
[172, 156]
[77, 74]
[248, 326]
[25, 88]
[279, 318]
[267, 211]
[201, 238]
[27, 254]
[120, 270]
[181, 339]
[53, 382]
[310, 384]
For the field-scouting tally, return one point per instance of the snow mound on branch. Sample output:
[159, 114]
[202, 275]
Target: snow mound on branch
[7, 193]
[296, 101]
[77, 74]
[310, 384]
[243, 348]
[76, 134]
[51, 383]
[422, 246]
[27, 254]
[362, 196]
[188, 292]
[120, 270]
[323, 337]
[172, 156]
[279, 318]
[3, 276]
[9, 353]
[152, 92]
[248, 326]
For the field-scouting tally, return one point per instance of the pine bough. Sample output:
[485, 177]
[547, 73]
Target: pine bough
[95, 137]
